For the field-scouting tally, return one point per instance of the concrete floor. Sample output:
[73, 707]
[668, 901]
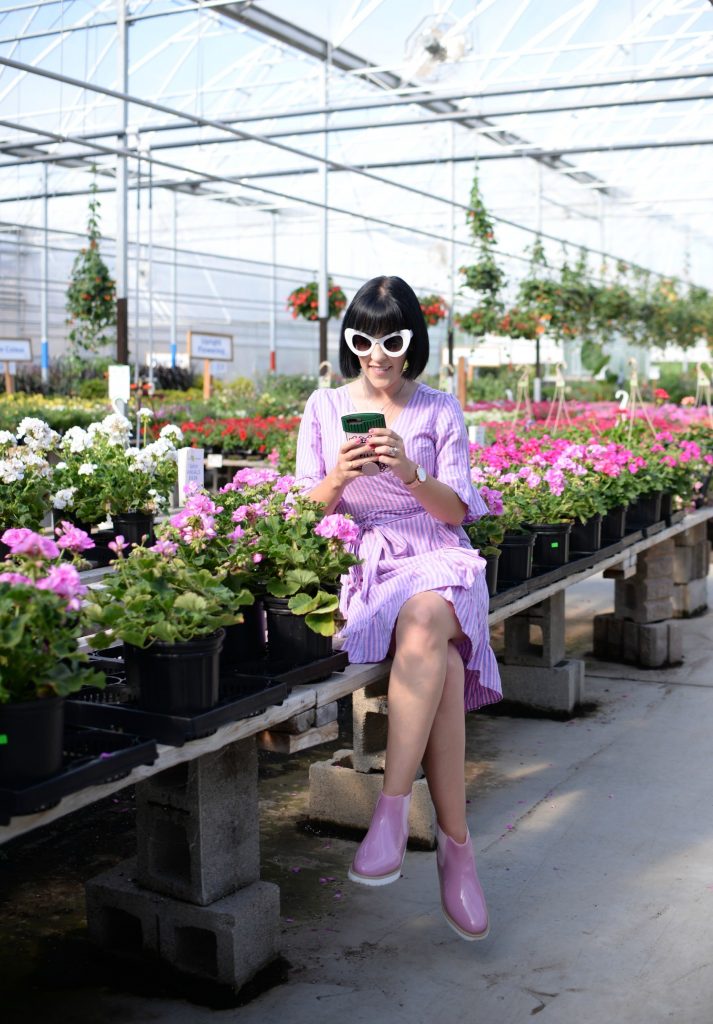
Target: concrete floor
[594, 840]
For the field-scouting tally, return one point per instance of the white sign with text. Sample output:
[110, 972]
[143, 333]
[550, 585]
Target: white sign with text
[216, 347]
[15, 350]
[190, 470]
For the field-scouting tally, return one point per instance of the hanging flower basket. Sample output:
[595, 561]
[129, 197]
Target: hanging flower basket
[434, 309]
[304, 301]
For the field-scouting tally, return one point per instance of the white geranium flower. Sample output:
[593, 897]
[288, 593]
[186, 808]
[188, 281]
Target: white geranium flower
[64, 497]
[7, 437]
[61, 465]
[36, 434]
[77, 440]
[86, 469]
[145, 414]
[11, 470]
[171, 433]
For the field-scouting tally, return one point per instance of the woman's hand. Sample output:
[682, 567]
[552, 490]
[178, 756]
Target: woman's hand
[352, 456]
[389, 446]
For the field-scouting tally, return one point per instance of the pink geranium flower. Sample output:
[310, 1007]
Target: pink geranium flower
[25, 542]
[338, 526]
[71, 538]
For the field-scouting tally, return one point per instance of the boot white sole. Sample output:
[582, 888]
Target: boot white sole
[393, 876]
[468, 936]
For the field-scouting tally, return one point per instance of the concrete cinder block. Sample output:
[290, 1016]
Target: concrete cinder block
[700, 560]
[633, 599]
[197, 826]
[689, 538]
[560, 688]
[299, 723]
[600, 638]
[227, 942]
[690, 598]
[549, 619]
[653, 644]
[370, 727]
[630, 641]
[342, 796]
[326, 713]
[675, 643]
[682, 563]
[656, 562]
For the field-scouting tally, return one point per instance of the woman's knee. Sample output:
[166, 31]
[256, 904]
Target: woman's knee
[424, 616]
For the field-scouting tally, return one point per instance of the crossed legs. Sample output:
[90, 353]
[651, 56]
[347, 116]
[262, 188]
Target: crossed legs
[426, 717]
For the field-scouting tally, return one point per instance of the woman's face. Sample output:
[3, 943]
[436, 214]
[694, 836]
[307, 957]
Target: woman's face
[382, 370]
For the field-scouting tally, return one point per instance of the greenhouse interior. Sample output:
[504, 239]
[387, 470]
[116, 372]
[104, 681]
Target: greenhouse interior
[355, 370]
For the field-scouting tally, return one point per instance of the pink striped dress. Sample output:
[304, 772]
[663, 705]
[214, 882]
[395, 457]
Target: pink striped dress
[405, 550]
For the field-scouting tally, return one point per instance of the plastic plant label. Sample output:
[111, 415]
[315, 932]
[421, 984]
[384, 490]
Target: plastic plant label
[555, 544]
[3, 739]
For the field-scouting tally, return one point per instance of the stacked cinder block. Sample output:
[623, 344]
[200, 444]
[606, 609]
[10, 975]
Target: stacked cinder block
[193, 895]
[691, 561]
[344, 789]
[640, 630]
[534, 671]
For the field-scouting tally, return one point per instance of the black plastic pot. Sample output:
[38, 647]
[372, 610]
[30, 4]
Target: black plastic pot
[176, 678]
[667, 507]
[614, 525]
[515, 563]
[645, 511]
[491, 571]
[245, 641]
[133, 526]
[31, 734]
[586, 537]
[551, 544]
[289, 635]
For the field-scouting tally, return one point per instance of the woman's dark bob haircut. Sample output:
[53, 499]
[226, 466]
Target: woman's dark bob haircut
[380, 307]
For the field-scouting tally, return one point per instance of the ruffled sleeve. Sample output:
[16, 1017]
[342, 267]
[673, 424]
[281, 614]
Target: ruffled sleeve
[453, 458]
[310, 469]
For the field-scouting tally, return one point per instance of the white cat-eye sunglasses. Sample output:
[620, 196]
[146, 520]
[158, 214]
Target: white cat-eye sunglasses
[362, 344]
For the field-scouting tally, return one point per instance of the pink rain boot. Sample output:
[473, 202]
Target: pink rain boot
[462, 898]
[380, 856]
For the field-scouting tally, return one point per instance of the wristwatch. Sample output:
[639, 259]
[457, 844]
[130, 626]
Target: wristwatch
[420, 478]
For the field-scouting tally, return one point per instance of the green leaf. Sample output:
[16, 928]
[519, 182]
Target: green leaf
[321, 623]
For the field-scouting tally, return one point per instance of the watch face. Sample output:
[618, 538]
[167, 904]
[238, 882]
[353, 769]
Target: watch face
[421, 474]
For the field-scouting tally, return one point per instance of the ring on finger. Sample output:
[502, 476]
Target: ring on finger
[393, 451]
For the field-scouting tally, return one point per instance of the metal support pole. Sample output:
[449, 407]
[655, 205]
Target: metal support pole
[137, 281]
[122, 194]
[273, 293]
[44, 305]
[322, 280]
[149, 282]
[537, 383]
[174, 282]
[452, 274]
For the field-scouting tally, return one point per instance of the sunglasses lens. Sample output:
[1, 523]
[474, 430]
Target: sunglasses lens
[360, 343]
[394, 344]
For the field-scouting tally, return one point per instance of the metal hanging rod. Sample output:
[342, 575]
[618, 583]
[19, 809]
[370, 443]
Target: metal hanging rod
[237, 133]
[448, 115]
[363, 125]
[201, 176]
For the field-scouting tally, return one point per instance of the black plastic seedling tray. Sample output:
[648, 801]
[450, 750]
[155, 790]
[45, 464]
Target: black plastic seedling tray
[246, 697]
[285, 671]
[91, 757]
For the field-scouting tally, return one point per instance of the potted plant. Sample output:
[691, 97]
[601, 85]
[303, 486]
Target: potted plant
[300, 556]
[101, 475]
[486, 535]
[91, 295]
[25, 473]
[40, 663]
[170, 616]
[304, 301]
[204, 536]
[434, 309]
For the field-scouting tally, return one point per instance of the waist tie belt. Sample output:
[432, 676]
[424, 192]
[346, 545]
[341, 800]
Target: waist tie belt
[378, 534]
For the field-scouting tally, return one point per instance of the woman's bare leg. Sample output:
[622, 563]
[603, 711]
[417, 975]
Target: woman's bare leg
[444, 758]
[424, 628]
